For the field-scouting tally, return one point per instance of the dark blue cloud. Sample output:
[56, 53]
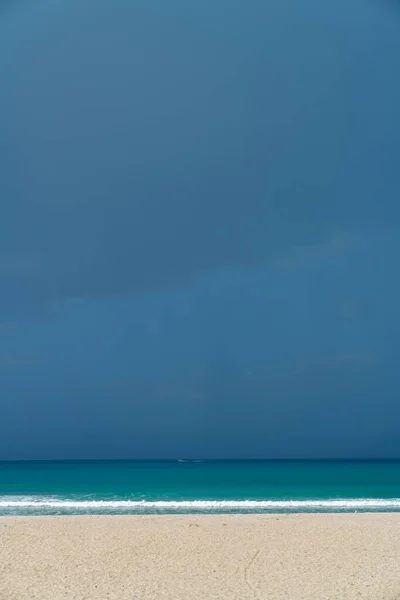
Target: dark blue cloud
[144, 144]
[199, 229]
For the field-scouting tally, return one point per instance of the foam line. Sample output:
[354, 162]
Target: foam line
[87, 505]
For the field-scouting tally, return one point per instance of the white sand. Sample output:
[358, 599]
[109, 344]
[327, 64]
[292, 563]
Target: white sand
[319, 557]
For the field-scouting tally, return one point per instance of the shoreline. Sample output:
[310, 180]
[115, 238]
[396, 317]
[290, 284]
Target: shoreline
[192, 557]
[50, 506]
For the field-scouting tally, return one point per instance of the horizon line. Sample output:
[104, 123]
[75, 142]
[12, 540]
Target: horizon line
[203, 460]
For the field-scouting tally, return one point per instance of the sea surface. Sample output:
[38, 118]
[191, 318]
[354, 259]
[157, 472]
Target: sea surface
[197, 486]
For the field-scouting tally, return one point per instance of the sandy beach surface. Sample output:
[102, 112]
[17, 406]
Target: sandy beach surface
[201, 557]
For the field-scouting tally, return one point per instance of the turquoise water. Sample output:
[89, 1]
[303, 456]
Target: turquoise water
[142, 487]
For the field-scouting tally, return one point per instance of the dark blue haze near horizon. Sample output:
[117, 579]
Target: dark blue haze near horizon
[199, 229]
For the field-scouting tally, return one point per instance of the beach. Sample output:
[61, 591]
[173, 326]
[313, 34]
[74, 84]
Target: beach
[193, 557]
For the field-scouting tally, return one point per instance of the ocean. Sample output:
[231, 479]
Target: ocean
[197, 486]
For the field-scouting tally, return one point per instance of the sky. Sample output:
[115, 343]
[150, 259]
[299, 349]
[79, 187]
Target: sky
[199, 229]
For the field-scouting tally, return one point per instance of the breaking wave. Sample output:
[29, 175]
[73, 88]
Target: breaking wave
[50, 505]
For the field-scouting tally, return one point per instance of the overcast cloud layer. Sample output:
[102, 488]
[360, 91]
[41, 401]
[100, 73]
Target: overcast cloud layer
[199, 228]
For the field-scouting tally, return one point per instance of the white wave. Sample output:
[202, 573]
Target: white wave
[290, 505]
